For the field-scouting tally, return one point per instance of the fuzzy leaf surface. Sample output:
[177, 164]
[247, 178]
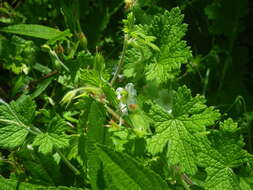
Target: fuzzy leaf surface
[126, 173]
[96, 134]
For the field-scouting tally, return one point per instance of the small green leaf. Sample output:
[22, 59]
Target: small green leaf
[99, 63]
[140, 123]
[41, 87]
[48, 141]
[54, 137]
[57, 125]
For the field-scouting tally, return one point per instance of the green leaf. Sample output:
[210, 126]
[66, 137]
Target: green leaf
[12, 136]
[57, 125]
[140, 47]
[90, 77]
[54, 137]
[61, 36]
[126, 173]
[33, 30]
[169, 31]
[157, 49]
[15, 120]
[220, 154]
[8, 184]
[97, 133]
[110, 95]
[81, 151]
[140, 123]
[43, 169]
[41, 87]
[48, 141]
[17, 54]
[244, 184]
[176, 130]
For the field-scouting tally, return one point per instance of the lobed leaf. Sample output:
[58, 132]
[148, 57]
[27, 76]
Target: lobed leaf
[176, 131]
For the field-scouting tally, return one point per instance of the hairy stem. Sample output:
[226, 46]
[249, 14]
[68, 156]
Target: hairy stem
[116, 116]
[121, 61]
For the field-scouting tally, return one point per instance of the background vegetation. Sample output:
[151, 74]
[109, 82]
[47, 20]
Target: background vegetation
[67, 74]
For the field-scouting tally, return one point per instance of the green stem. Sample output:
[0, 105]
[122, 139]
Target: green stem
[63, 157]
[238, 99]
[67, 162]
[121, 61]
[19, 124]
[186, 186]
[116, 116]
[206, 81]
[185, 180]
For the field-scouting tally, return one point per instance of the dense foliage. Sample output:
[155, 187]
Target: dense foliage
[125, 95]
